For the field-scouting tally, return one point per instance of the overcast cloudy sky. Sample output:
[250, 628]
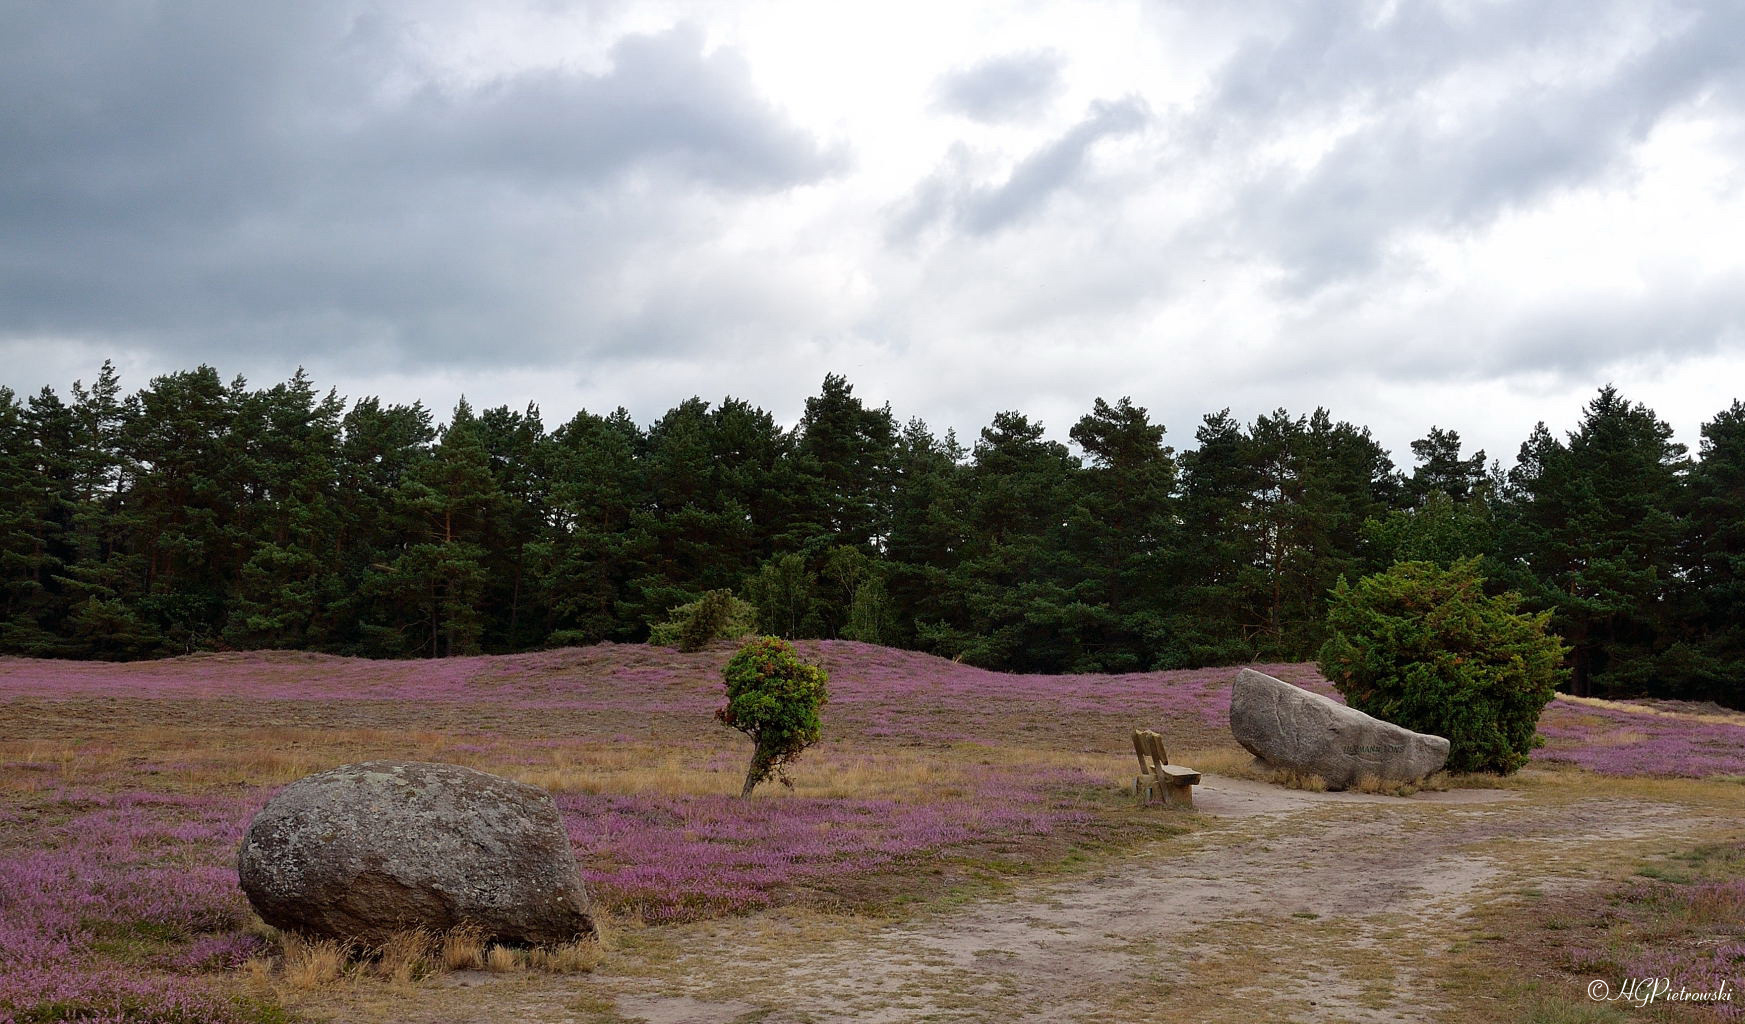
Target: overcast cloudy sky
[1470, 215]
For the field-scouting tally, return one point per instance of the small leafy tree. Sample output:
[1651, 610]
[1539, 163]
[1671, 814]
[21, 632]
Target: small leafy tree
[1422, 646]
[717, 615]
[773, 697]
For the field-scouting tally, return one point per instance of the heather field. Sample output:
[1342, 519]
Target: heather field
[124, 790]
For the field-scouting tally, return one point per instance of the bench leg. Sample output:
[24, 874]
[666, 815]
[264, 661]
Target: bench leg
[1179, 796]
[1144, 788]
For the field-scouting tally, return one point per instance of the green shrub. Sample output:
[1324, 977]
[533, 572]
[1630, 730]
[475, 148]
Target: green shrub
[773, 697]
[717, 615]
[1424, 647]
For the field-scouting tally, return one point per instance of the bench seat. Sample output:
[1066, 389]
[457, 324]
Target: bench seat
[1157, 777]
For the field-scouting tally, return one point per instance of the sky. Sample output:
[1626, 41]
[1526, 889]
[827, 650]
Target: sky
[1414, 214]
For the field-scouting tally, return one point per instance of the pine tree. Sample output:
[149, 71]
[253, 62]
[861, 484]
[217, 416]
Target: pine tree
[45, 494]
[380, 450]
[1591, 533]
[285, 448]
[103, 559]
[23, 503]
[185, 516]
[105, 582]
[1348, 479]
[514, 442]
[1119, 532]
[1447, 510]
[844, 457]
[928, 527]
[1011, 582]
[722, 499]
[1706, 660]
[1442, 469]
[1214, 565]
[445, 504]
[600, 520]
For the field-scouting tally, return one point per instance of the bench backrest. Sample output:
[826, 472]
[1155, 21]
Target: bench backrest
[1149, 744]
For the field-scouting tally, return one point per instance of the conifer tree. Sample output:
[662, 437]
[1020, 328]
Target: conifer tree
[381, 447]
[1706, 657]
[446, 504]
[1214, 562]
[1592, 534]
[1010, 584]
[928, 525]
[843, 457]
[599, 522]
[1119, 532]
[513, 443]
[285, 443]
[186, 521]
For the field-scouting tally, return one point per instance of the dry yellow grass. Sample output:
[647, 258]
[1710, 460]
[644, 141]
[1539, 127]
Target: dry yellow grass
[204, 756]
[658, 769]
[1723, 717]
[213, 756]
[1573, 784]
[406, 956]
[579, 957]
[309, 964]
[1255, 771]
[1308, 782]
[463, 948]
[1435, 783]
[502, 960]
[1220, 760]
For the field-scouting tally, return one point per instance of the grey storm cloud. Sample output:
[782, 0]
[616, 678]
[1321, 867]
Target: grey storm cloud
[282, 172]
[1001, 88]
[1280, 196]
[987, 209]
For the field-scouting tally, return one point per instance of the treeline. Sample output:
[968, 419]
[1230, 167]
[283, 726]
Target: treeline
[197, 515]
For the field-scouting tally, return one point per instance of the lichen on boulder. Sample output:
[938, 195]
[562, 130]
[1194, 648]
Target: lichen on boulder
[364, 850]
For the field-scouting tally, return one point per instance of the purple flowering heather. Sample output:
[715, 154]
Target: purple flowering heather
[106, 995]
[676, 858]
[135, 865]
[1711, 963]
[1614, 741]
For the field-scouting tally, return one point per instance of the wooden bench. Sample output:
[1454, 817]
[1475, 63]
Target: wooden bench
[1157, 777]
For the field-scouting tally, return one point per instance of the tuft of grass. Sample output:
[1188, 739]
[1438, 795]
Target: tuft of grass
[1434, 783]
[1308, 782]
[312, 964]
[406, 956]
[463, 948]
[1244, 765]
[579, 957]
[502, 960]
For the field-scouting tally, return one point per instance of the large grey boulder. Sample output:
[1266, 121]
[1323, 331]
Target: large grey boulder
[1288, 727]
[364, 850]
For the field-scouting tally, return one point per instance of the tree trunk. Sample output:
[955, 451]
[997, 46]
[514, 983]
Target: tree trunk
[759, 770]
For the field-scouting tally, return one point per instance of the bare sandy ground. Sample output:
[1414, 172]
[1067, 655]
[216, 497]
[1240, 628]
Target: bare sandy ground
[1285, 906]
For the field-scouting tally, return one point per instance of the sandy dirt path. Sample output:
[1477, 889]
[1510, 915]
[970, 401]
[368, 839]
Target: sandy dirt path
[1286, 906]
